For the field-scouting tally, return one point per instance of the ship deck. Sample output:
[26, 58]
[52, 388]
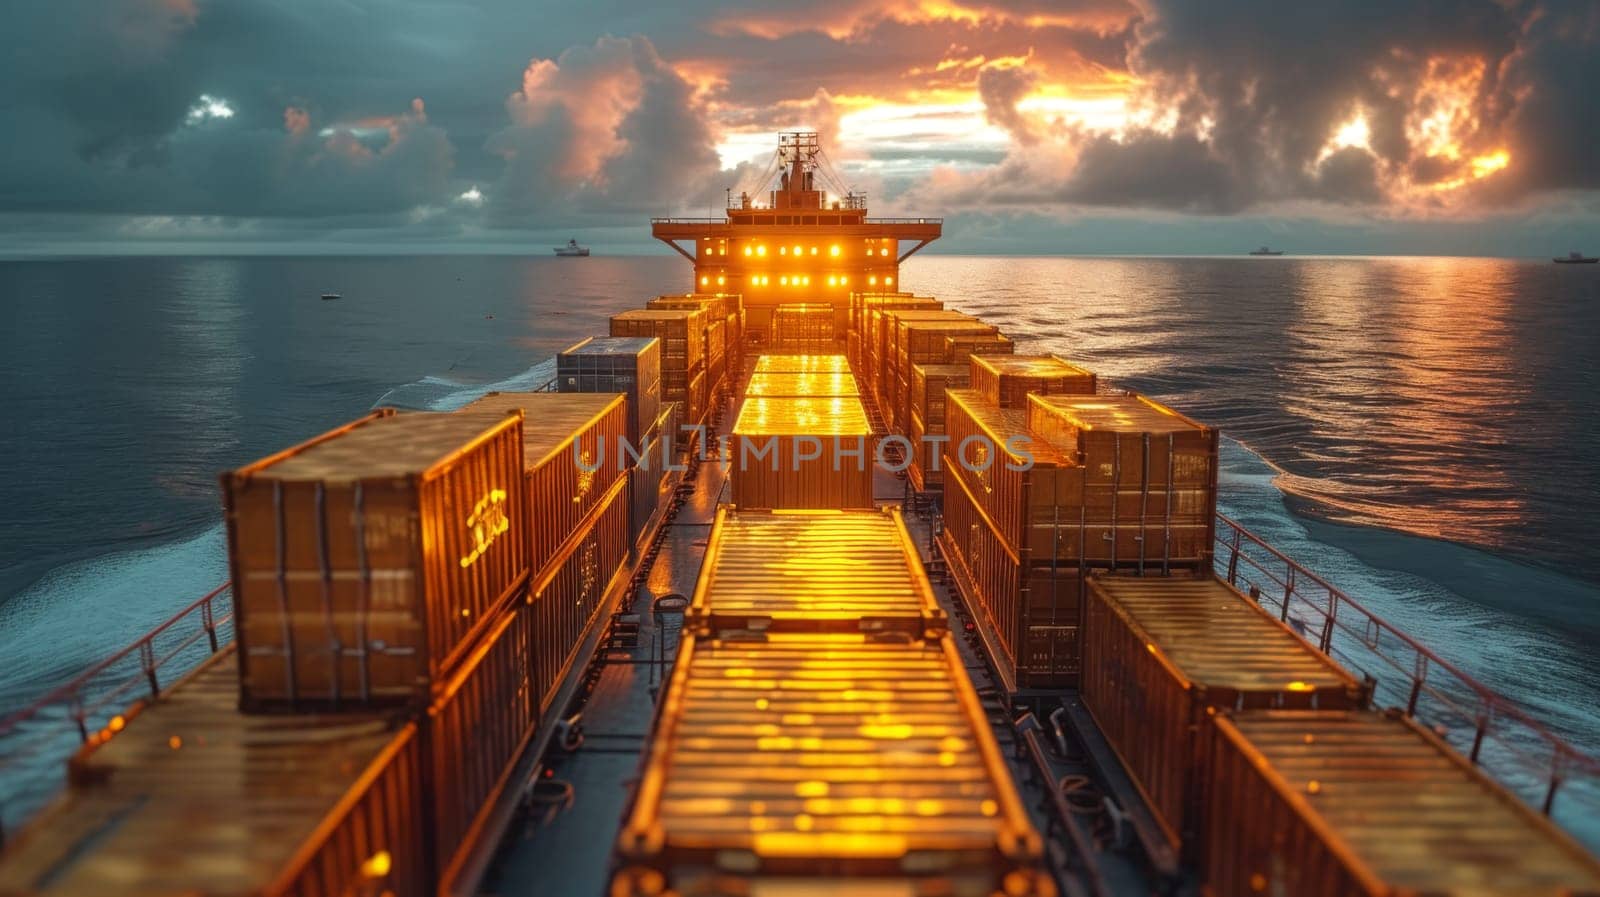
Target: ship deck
[563, 841]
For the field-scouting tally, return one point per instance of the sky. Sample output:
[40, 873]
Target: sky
[1035, 126]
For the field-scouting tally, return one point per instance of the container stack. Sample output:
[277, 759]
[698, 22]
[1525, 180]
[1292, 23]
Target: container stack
[802, 451]
[958, 349]
[928, 385]
[999, 484]
[724, 332]
[867, 309]
[803, 327]
[810, 734]
[919, 338]
[682, 332]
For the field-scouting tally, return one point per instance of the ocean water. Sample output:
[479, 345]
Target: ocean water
[1421, 431]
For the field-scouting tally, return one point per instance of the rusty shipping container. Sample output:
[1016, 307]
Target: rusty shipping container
[1007, 380]
[569, 596]
[958, 349]
[1149, 476]
[803, 327]
[192, 797]
[881, 774]
[365, 560]
[477, 730]
[1369, 805]
[1028, 612]
[572, 447]
[813, 571]
[810, 383]
[1031, 492]
[802, 453]
[1162, 653]
[629, 365]
[797, 363]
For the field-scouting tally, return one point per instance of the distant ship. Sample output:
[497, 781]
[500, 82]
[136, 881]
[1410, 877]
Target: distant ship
[1576, 258]
[329, 297]
[572, 250]
[1265, 251]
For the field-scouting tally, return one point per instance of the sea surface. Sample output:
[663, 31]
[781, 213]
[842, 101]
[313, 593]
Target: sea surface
[1422, 431]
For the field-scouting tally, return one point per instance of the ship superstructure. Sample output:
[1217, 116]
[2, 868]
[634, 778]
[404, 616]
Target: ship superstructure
[473, 657]
[788, 239]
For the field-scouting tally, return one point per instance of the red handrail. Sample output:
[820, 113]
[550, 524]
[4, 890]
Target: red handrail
[1349, 631]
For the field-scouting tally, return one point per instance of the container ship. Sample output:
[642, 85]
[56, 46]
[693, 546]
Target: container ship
[795, 583]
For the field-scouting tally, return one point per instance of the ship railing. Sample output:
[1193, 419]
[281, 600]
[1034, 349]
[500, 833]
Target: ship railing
[35, 740]
[867, 220]
[1494, 733]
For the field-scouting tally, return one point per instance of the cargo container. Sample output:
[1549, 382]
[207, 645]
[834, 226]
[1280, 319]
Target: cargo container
[1031, 493]
[716, 341]
[919, 340]
[868, 321]
[569, 596]
[681, 331]
[803, 327]
[802, 453]
[1361, 804]
[189, 796]
[1007, 380]
[802, 363]
[882, 348]
[1162, 653]
[364, 561]
[958, 349]
[812, 383]
[813, 571]
[928, 385]
[1028, 611]
[879, 775]
[1149, 476]
[476, 731]
[629, 365]
[572, 448]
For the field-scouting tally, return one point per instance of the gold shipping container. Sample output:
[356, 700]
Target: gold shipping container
[803, 327]
[885, 345]
[681, 331]
[1150, 476]
[1369, 805]
[802, 363]
[572, 446]
[1007, 380]
[1031, 493]
[812, 383]
[365, 560]
[1162, 653]
[958, 349]
[869, 323]
[882, 763]
[568, 597]
[193, 797]
[1028, 612]
[922, 473]
[928, 384]
[477, 730]
[813, 571]
[802, 453]
[920, 341]
[716, 341]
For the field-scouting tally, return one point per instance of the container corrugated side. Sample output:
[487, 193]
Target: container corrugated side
[365, 560]
[568, 597]
[1028, 611]
[1369, 805]
[813, 571]
[572, 446]
[1149, 476]
[753, 777]
[804, 327]
[192, 796]
[477, 730]
[891, 349]
[1007, 380]
[802, 453]
[1030, 491]
[1160, 653]
[632, 366]
[919, 341]
[681, 331]
[928, 385]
